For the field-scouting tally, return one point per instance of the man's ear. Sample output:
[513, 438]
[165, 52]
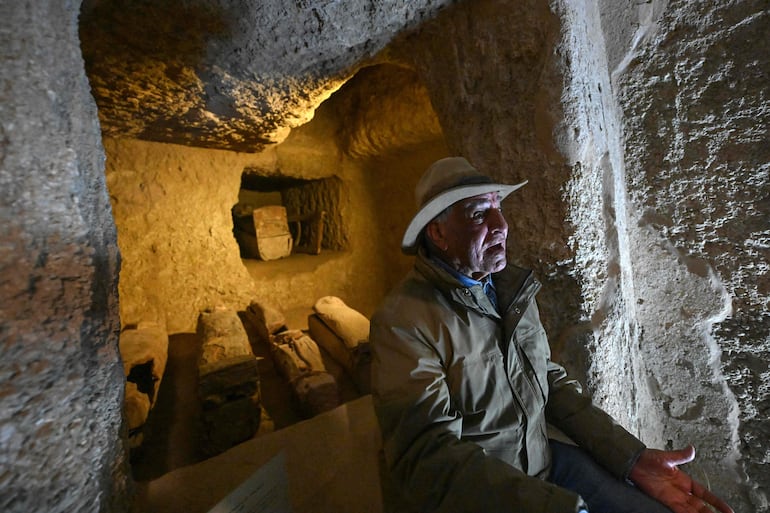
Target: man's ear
[435, 233]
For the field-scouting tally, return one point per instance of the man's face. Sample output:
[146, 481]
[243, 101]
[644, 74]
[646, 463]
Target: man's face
[472, 235]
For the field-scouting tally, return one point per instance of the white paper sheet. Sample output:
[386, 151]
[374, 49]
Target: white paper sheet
[266, 491]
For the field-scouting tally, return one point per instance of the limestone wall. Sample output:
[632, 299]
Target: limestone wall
[698, 170]
[606, 339]
[235, 74]
[497, 97]
[61, 382]
[172, 210]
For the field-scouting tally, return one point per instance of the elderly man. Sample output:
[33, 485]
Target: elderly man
[463, 383]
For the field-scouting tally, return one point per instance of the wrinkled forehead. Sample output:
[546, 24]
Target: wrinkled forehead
[489, 198]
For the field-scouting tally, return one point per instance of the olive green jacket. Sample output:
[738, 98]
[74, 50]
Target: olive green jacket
[463, 395]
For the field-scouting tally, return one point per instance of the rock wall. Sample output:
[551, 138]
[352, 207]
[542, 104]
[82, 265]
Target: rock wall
[393, 205]
[496, 95]
[606, 339]
[698, 170]
[61, 383]
[172, 210]
[235, 74]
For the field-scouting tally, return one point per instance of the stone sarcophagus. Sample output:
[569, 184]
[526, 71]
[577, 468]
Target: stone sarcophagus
[300, 361]
[228, 381]
[144, 351]
[343, 332]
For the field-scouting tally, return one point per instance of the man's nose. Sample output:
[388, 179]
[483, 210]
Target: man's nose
[496, 221]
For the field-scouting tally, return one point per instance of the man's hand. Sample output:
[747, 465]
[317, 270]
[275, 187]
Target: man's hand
[656, 473]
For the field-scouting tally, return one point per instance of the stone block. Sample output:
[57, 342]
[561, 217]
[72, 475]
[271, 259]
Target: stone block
[274, 240]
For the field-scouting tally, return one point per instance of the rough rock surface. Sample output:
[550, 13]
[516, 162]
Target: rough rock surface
[200, 74]
[173, 217]
[698, 167]
[62, 442]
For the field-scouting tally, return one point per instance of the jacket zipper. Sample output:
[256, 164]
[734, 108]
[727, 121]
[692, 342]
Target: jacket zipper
[526, 292]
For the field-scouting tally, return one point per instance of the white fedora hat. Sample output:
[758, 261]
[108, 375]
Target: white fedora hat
[444, 183]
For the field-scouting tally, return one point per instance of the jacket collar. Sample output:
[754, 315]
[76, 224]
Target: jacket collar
[515, 286]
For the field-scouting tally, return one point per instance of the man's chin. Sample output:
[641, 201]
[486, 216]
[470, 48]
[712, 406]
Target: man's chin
[499, 265]
[497, 258]
[496, 264]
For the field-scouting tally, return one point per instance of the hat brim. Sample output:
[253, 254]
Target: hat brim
[444, 200]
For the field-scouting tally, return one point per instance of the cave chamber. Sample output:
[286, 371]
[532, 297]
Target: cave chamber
[139, 139]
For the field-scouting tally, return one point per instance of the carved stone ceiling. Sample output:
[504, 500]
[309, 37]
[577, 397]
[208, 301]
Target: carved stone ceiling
[230, 74]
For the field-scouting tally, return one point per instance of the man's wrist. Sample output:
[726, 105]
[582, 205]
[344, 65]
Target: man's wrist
[631, 465]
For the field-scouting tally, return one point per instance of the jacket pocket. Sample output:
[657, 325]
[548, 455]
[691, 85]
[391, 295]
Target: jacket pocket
[476, 383]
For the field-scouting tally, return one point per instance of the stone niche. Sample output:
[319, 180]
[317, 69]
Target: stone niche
[307, 211]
